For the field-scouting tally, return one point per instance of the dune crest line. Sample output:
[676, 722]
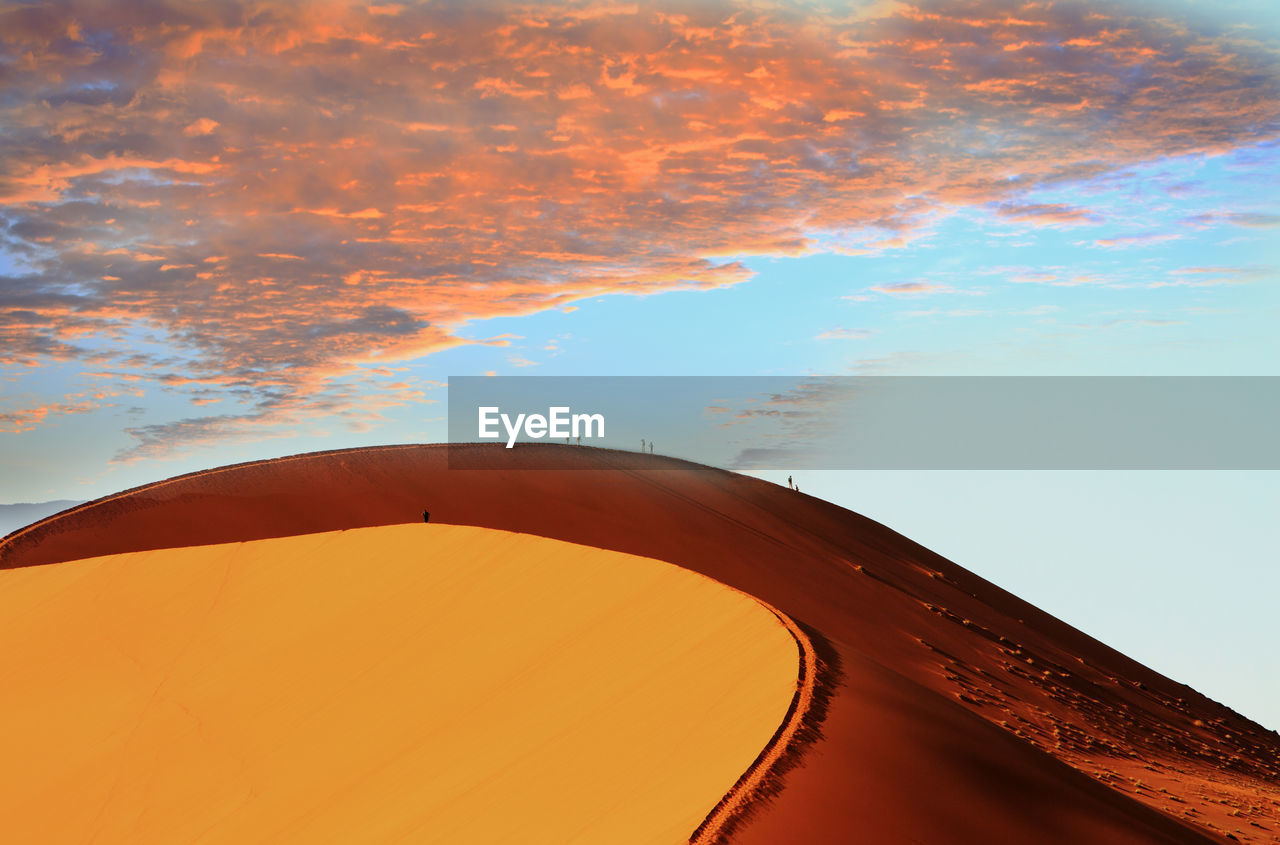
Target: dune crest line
[8, 541]
[763, 777]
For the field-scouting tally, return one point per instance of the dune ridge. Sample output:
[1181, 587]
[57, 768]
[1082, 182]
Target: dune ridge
[52, 523]
[961, 714]
[818, 675]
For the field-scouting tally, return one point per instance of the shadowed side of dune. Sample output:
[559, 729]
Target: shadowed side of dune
[962, 713]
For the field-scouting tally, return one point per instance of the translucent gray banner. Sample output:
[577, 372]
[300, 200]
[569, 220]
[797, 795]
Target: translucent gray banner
[890, 422]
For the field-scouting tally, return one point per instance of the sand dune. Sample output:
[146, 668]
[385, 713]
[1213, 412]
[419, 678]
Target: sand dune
[424, 683]
[959, 714]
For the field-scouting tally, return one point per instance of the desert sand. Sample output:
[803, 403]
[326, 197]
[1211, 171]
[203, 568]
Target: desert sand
[423, 683]
[950, 711]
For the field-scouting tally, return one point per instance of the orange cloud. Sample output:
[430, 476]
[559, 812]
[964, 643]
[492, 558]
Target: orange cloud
[1049, 214]
[285, 197]
[28, 419]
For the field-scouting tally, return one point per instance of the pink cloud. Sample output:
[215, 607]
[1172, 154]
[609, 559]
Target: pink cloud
[1050, 214]
[284, 198]
[910, 288]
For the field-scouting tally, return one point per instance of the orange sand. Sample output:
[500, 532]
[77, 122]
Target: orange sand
[423, 682]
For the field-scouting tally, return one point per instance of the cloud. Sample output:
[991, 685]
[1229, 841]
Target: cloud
[1251, 220]
[769, 458]
[1136, 240]
[1203, 277]
[30, 418]
[1049, 214]
[372, 320]
[203, 126]
[842, 333]
[1254, 220]
[911, 288]
[277, 200]
[1128, 321]
[950, 312]
[1034, 277]
[158, 440]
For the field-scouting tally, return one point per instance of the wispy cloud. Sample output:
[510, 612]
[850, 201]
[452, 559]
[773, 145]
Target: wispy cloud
[1034, 277]
[1212, 276]
[1146, 239]
[1251, 220]
[29, 418]
[1147, 322]
[949, 312]
[1049, 214]
[911, 288]
[842, 333]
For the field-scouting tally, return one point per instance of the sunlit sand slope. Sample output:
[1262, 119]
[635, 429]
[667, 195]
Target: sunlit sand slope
[407, 683]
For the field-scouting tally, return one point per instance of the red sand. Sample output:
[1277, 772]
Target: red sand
[961, 714]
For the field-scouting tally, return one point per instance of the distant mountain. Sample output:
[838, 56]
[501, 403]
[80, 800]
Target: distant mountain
[13, 517]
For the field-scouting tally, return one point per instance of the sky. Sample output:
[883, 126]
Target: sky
[237, 230]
